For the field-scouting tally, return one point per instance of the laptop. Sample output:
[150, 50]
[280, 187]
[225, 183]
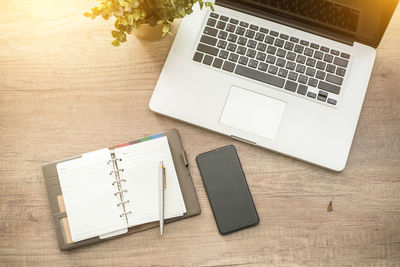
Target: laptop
[286, 75]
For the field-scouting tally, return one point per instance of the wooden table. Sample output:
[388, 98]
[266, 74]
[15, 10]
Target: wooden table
[65, 90]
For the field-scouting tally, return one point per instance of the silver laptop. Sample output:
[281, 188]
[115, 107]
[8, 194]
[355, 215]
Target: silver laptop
[285, 75]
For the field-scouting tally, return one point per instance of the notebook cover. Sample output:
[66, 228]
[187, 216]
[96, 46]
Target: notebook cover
[58, 207]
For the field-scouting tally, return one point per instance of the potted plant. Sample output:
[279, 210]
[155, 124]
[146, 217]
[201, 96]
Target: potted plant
[148, 19]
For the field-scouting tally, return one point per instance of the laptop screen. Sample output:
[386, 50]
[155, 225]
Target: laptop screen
[364, 21]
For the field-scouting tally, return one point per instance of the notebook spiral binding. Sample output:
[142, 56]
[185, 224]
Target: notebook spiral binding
[116, 173]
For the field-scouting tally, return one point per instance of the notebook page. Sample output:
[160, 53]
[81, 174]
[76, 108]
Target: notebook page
[141, 163]
[89, 198]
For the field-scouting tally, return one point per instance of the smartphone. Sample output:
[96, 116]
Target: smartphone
[227, 189]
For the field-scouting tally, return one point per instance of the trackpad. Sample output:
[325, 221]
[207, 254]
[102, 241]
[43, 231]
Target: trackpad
[253, 112]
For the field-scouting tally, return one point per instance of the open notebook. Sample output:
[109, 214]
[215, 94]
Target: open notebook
[107, 191]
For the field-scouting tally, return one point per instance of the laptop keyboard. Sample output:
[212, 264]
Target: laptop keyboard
[299, 66]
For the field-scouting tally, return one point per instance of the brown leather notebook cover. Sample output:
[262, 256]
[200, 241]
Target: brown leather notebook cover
[58, 207]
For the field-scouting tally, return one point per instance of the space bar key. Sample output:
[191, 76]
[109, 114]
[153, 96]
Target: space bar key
[259, 76]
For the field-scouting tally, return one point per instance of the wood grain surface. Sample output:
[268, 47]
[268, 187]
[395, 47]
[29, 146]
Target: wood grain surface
[65, 90]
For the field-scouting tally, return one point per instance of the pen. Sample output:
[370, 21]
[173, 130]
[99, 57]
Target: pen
[162, 185]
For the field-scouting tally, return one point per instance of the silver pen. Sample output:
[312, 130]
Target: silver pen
[162, 185]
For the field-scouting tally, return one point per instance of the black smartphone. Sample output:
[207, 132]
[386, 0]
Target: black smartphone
[227, 189]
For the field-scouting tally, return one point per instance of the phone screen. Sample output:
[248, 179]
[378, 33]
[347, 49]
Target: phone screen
[227, 189]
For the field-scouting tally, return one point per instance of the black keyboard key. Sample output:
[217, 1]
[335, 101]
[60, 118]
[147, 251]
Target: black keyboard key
[334, 79]
[311, 62]
[344, 55]
[223, 54]
[283, 73]
[253, 63]
[228, 66]
[290, 65]
[210, 31]
[207, 49]
[293, 76]
[231, 47]
[214, 15]
[260, 36]
[243, 60]
[271, 59]
[221, 25]
[241, 50]
[291, 86]
[341, 62]
[272, 69]
[211, 22]
[300, 68]
[271, 50]
[244, 24]
[208, 59]
[312, 82]
[332, 101]
[261, 56]
[330, 68]
[324, 49]
[230, 28]
[233, 57]
[305, 43]
[264, 30]
[232, 38]
[315, 46]
[198, 56]
[303, 79]
[261, 47]
[318, 55]
[302, 89]
[321, 98]
[217, 63]
[311, 95]
[251, 53]
[269, 39]
[291, 56]
[222, 35]
[294, 39]
[281, 52]
[224, 18]
[222, 44]
[299, 49]
[250, 33]
[322, 93]
[240, 30]
[340, 71]
[335, 52]
[251, 44]
[289, 46]
[308, 52]
[274, 33]
[234, 21]
[280, 62]
[284, 36]
[310, 72]
[263, 66]
[328, 58]
[260, 76]
[242, 40]
[329, 87]
[321, 65]
[279, 42]
[254, 27]
[320, 75]
[301, 59]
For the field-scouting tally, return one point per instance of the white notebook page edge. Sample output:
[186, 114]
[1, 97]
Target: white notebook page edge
[140, 162]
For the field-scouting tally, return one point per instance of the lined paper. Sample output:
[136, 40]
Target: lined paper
[140, 163]
[89, 198]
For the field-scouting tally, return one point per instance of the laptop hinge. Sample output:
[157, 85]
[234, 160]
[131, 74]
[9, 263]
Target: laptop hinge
[256, 11]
